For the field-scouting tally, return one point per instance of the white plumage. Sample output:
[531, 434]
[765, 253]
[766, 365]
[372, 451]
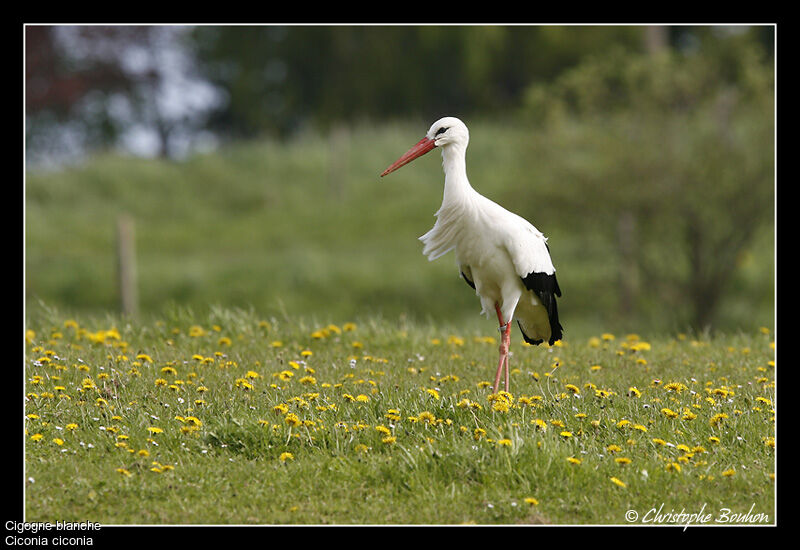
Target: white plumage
[500, 254]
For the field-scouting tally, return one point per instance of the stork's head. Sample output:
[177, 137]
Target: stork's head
[447, 131]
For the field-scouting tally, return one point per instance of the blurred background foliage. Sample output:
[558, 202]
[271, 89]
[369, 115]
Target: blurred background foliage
[248, 159]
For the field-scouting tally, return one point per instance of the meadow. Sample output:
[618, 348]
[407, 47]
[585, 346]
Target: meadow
[296, 360]
[233, 418]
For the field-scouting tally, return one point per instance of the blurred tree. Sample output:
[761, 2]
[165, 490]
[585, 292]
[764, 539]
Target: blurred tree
[278, 78]
[99, 86]
[669, 155]
[56, 86]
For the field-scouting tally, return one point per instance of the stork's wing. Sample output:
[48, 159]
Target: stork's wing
[466, 273]
[531, 258]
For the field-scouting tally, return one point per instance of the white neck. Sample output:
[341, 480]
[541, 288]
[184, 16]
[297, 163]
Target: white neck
[456, 184]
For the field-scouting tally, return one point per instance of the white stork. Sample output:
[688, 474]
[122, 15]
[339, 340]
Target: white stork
[502, 256]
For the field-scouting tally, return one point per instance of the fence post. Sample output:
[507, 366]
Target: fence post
[126, 266]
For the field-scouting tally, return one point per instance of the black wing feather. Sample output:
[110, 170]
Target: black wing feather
[546, 288]
[470, 283]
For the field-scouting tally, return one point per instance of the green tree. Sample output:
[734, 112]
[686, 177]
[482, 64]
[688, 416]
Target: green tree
[670, 157]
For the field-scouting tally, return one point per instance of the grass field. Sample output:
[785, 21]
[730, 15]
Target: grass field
[231, 418]
[308, 228]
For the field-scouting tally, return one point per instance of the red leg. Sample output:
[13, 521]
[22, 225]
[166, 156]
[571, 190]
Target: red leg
[504, 345]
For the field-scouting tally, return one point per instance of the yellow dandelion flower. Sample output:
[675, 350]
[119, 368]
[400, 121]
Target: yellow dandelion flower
[622, 460]
[532, 501]
[286, 456]
[154, 430]
[728, 473]
[717, 419]
[618, 482]
[123, 471]
[573, 460]
[388, 440]
[383, 430]
[504, 443]
[669, 413]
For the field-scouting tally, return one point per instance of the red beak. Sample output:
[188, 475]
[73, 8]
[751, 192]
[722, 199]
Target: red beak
[423, 146]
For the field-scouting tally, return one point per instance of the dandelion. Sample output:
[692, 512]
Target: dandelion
[618, 482]
[388, 440]
[154, 430]
[574, 389]
[622, 460]
[565, 434]
[383, 430]
[361, 398]
[573, 460]
[58, 441]
[669, 413]
[36, 437]
[500, 406]
[713, 439]
[123, 471]
[532, 501]
[728, 473]
[613, 448]
[677, 387]
[286, 456]
[504, 443]
[292, 420]
[717, 419]
[688, 415]
[433, 393]
[244, 384]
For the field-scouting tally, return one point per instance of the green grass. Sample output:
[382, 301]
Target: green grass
[309, 228]
[227, 466]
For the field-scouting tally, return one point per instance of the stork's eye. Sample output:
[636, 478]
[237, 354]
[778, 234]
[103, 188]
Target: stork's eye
[441, 130]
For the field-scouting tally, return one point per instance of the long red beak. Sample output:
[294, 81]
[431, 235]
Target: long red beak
[423, 146]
